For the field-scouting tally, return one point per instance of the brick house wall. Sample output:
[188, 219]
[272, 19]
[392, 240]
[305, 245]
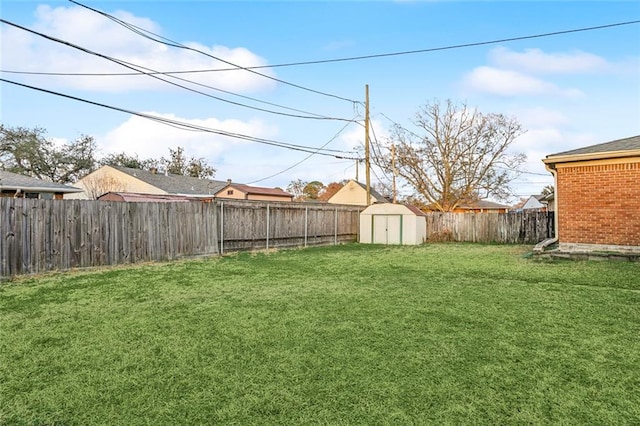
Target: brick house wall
[599, 202]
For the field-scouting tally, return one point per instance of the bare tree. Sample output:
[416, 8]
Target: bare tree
[95, 186]
[456, 155]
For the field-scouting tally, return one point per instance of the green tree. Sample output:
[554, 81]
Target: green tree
[29, 152]
[330, 190]
[178, 164]
[123, 159]
[312, 190]
[456, 154]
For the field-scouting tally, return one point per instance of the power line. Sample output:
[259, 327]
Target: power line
[193, 127]
[154, 75]
[304, 159]
[373, 56]
[142, 32]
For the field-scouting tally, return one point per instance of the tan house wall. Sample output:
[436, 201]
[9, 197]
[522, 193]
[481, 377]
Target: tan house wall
[258, 197]
[352, 194]
[232, 193]
[107, 179]
[241, 195]
[599, 202]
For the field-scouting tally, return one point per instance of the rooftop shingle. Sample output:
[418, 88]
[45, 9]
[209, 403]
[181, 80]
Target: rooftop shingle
[626, 144]
[175, 184]
[14, 181]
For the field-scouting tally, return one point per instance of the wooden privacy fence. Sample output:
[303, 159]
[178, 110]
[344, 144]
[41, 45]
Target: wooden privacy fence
[248, 225]
[526, 227]
[46, 235]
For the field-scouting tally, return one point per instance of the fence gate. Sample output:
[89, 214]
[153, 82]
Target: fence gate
[386, 229]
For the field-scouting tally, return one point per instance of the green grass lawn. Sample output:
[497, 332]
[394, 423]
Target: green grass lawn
[441, 333]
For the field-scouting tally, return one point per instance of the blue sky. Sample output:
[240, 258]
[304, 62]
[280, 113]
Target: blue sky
[568, 90]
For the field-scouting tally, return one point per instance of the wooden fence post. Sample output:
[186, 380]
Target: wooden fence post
[221, 228]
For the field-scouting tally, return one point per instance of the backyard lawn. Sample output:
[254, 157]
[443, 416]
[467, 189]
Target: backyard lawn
[353, 334]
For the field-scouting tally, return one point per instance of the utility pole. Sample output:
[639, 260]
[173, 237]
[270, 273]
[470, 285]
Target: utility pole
[367, 164]
[393, 171]
[357, 168]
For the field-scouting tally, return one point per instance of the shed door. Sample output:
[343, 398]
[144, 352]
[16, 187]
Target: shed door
[387, 229]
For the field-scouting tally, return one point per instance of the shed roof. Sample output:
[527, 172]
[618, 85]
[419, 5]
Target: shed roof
[14, 181]
[175, 184]
[390, 208]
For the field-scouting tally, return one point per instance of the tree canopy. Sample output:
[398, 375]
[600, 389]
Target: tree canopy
[456, 154]
[29, 152]
[313, 191]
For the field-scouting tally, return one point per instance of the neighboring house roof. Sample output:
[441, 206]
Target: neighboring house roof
[533, 202]
[483, 204]
[375, 194]
[354, 193]
[175, 184]
[474, 205]
[13, 182]
[256, 190]
[133, 197]
[626, 147]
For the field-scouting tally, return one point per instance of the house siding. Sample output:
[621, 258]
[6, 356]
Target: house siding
[614, 219]
[108, 179]
[258, 197]
[352, 194]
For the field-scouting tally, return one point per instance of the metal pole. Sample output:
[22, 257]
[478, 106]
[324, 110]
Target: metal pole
[367, 162]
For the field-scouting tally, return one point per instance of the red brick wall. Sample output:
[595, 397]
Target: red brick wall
[599, 204]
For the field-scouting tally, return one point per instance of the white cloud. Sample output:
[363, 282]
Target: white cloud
[536, 61]
[539, 116]
[29, 52]
[511, 83]
[149, 139]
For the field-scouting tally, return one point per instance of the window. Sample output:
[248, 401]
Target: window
[229, 191]
[31, 195]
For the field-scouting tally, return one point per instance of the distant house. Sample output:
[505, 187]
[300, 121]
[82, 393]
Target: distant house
[239, 191]
[19, 186]
[542, 202]
[598, 196]
[124, 179]
[355, 193]
[480, 206]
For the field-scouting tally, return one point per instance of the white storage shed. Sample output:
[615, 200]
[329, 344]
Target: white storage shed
[392, 224]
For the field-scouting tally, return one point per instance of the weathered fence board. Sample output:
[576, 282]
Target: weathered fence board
[528, 227]
[45, 235]
[250, 225]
